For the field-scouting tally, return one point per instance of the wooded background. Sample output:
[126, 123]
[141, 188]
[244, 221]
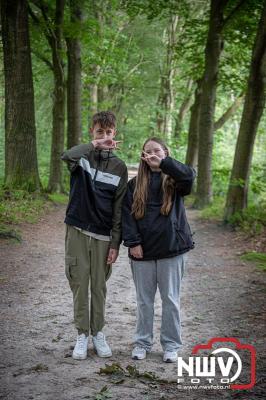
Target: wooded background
[190, 71]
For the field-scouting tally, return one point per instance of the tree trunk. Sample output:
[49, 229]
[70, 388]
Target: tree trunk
[185, 106]
[21, 167]
[208, 98]
[55, 179]
[193, 132]
[74, 81]
[93, 99]
[103, 94]
[166, 95]
[253, 108]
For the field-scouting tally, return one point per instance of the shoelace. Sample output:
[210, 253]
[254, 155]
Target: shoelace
[81, 341]
[139, 349]
[101, 339]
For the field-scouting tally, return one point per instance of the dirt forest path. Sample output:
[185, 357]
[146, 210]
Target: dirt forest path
[221, 297]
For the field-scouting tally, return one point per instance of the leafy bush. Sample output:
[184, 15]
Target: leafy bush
[17, 206]
[252, 219]
[215, 210]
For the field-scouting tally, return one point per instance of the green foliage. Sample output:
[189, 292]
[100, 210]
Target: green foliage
[103, 394]
[123, 52]
[258, 258]
[9, 233]
[252, 219]
[118, 374]
[258, 182]
[17, 206]
[220, 181]
[215, 210]
[58, 198]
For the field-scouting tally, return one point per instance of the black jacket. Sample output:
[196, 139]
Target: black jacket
[97, 187]
[160, 236]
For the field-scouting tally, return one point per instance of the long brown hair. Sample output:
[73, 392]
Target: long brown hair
[142, 182]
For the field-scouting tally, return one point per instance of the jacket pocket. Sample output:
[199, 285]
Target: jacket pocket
[184, 239]
[70, 264]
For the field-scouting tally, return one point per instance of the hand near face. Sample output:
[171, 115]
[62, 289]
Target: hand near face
[153, 160]
[106, 144]
[136, 251]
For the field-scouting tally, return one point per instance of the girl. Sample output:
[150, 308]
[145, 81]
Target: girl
[156, 230]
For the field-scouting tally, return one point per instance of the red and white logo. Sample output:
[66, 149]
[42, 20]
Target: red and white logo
[226, 363]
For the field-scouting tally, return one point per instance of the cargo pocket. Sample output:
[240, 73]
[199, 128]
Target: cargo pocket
[108, 271]
[70, 264]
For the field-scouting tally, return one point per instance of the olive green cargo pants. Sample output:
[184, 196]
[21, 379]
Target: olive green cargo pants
[85, 265]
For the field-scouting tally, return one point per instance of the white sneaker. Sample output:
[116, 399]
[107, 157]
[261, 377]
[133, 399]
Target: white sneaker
[80, 350]
[170, 356]
[138, 353]
[100, 345]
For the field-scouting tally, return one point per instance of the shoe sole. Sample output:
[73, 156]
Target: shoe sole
[77, 357]
[169, 360]
[102, 355]
[138, 358]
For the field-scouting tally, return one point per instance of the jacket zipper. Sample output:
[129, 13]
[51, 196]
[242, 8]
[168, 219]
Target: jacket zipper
[97, 168]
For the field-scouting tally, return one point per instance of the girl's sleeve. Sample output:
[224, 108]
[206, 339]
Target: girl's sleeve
[183, 174]
[130, 234]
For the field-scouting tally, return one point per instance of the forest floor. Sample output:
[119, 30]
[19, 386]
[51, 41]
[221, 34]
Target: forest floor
[221, 297]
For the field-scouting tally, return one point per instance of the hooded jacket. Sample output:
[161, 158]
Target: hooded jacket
[97, 187]
[160, 236]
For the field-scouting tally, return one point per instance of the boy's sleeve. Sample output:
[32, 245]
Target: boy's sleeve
[130, 233]
[116, 235]
[183, 174]
[73, 155]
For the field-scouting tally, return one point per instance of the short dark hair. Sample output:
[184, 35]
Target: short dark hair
[106, 119]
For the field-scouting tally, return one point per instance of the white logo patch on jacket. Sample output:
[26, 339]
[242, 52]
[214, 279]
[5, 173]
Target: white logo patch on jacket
[101, 176]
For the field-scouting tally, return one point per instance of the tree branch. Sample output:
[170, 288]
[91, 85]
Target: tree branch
[43, 58]
[33, 16]
[232, 13]
[229, 112]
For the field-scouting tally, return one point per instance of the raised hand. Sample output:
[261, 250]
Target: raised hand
[105, 144]
[152, 159]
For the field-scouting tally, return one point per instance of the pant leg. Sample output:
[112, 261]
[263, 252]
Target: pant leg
[144, 276]
[100, 272]
[77, 268]
[170, 272]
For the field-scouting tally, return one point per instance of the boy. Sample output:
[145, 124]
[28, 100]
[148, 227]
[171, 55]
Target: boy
[93, 228]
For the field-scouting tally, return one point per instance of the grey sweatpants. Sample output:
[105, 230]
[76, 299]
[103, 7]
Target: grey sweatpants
[167, 273]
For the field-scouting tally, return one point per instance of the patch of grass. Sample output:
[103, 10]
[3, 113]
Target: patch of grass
[58, 198]
[251, 220]
[17, 206]
[258, 258]
[9, 233]
[215, 210]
